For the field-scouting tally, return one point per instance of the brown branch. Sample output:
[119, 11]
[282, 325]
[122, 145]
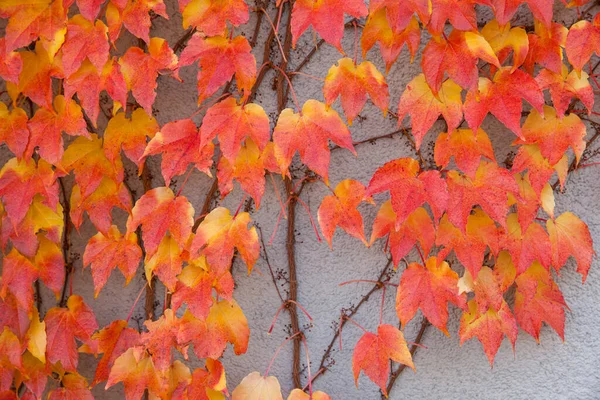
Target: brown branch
[66, 241]
[323, 367]
[266, 256]
[182, 42]
[395, 374]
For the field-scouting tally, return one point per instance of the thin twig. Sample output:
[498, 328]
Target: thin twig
[66, 241]
[266, 257]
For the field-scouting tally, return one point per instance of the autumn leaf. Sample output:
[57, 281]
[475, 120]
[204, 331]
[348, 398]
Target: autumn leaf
[298, 394]
[553, 134]
[538, 299]
[352, 83]
[165, 263]
[570, 236]
[489, 189]
[63, 326]
[73, 386]
[461, 15]
[391, 42]
[400, 14]
[159, 211]
[429, 288]
[340, 210]
[457, 57]
[11, 63]
[257, 387]
[129, 135]
[99, 204]
[105, 253]
[373, 353]
[530, 158]
[233, 123]
[418, 227]
[135, 16]
[207, 381]
[47, 126]
[218, 235]
[408, 189]
[326, 18]
[503, 98]
[18, 275]
[113, 340]
[195, 287]
[504, 40]
[489, 327]
[527, 245]
[219, 59]
[225, 323]
[424, 107]
[506, 9]
[85, 156]
[546, 47]
[180, 144]
[161, 338]
[137, 372]
[566, 86]
[35, 338]
[50, 264]
[13, 130]
[466, 147]
[13, 316]
[141, 69]
[211, 16]
[582, 42]
[309, 132]
[84, 40]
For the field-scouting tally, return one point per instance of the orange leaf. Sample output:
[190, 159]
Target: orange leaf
[161, 338]
[137, 372]
[72, 386]
[583, 40]
[50, 264]
[503, 39]
[218, 235]
[546, 47]
[298, 394]
[566, 86]
[165, 263]
[309, 132]
[570, 236]
[425, 107]
[233, 123]
[18, 275]
[211, 16]
[400, 14]
[63, 325]
[352, 83]
[219, 59]
[180, 144]
[85, 40]
[13, 130]
[527, 245]
[159, 211]
[466, 147]
[205, 381]
[326, 17]
[129, 135]
[46, 128]
[135, 15]
[340, 210]
[460, 13]
[429, 288]
[373, 353]
[255, 386]
[105, 253]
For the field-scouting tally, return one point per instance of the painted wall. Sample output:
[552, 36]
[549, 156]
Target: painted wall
[550, 369]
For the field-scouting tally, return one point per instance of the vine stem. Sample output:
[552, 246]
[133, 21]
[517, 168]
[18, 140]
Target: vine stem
[278, 350]
[66, 241]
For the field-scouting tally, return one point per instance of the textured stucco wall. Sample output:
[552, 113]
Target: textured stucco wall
[551, 369]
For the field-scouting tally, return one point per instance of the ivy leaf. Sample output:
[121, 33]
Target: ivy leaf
[141, 70]
[50, 264]
[211, 16]
[489, 326]
[180, 144]
[506, 9]
[466, 147]
[582, 42]
[298, 394]
[425, 107]
[113, 340]
[255, 386]
[137, 372]
[11, 63]
[89, 8]
[105, 253]
[35, 338]
[135, 15]
[566, 86]
[391, 42]
[165, 263]
[326, 17]
[352, 83]
[554, 135]
[429, 288]
[225, 323]
[400, 14]
[13, 130]
[84, 40]
[207, 381]
[218, 235]
[233, 123]
[159, 211]
[527, 245]
[195, 286]
[63, 326]
[219, 59]
[461, 15]
[570, 236]
[73, 386]
[18, 275]
[161, 338]
[46, 128]
[530, 158]
[309, 132]
[489, 189]
[85, 156]
[538, 299]
[340, 210]
[457, 56]
[546, 47]
[129, 135]
[418, 227]
[505, 39]
[373, 353]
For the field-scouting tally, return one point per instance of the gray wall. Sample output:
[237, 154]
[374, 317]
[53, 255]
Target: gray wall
[550, 369]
